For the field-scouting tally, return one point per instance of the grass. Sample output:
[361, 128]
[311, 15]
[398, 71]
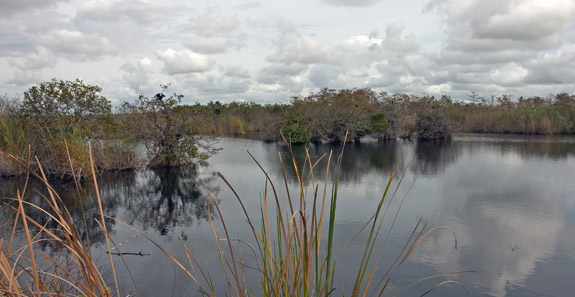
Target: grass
[293, 243]
[292, 257]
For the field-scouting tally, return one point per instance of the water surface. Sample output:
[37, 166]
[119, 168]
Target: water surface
[509, 200]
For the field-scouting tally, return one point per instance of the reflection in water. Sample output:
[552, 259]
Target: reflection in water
[172, 197]
[157, 199]
[432, 156]
[506, 201]
[360, 158]
[509, 199]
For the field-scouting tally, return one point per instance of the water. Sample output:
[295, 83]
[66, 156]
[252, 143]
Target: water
[510, 201]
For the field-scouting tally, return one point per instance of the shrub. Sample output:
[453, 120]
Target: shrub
[294, 131]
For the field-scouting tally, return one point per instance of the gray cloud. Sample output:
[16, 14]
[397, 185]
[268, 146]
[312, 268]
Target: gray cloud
[211, 23]
[325, 76]
[39, 59]
[216, 83]
[488, 46]
[13, 7]
[184, 61]
[76, 45]
[484, 28]
[209, 45]
[248, 5]
[25, 77]
[395, 42]
[237, 71]
[304, 50]
[351, 3]
[553, 68]
[139, 12]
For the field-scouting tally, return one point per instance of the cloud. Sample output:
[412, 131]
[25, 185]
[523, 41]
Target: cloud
[217, 83]
[276, 73]
[509, 75]
[211, 23]
[496, 46]
[209, 45]
[39, 59]
[237, 72]
[139, 12]
[325, 76]
[553, 68]
[25, 77]
[139, 76]
[395, 42]
[13, 7]
[482, 28]
[184, 61]
[291, 78]
[350, 3]
[304, 50]
[76, 45]
[523, 22]
[248, 5]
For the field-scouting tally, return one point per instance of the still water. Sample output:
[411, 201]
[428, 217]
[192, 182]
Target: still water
[510, 201]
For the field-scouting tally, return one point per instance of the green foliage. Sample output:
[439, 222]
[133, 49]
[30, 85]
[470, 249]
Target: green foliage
[294, 131]
[165, 127]
[55, 122]
[58, 118]
[378, 122]
[63, 103]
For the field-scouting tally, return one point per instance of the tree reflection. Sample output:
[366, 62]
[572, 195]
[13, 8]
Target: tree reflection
[174, 196]
[433, 156]
[158, 199]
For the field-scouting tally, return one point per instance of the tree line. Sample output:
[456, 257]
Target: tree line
[56, 120]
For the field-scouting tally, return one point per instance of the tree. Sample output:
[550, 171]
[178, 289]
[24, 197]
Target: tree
[63, 103]
[59, 117]
[166, 128]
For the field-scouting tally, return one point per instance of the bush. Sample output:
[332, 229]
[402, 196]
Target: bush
[430, 125]
[294, 131]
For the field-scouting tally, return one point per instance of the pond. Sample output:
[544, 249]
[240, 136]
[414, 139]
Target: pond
[509, 200]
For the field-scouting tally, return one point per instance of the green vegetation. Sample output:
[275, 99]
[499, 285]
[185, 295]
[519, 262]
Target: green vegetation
[58, 118]
[294, 131]
[164, 127]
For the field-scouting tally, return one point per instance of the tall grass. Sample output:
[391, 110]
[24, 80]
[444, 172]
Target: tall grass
[293, 242]
[293, 256]
[29, 271]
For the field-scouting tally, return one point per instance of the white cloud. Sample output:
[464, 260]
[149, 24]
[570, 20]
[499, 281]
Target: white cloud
[351, 3]
[25, 77]
[39, 59]
[217, 82]
[523, 47]
[139, 76]
[304, 50]
[76, 45]
[184, 61]
[509, 75]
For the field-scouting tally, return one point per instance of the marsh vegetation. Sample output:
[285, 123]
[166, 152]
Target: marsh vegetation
[56, 119]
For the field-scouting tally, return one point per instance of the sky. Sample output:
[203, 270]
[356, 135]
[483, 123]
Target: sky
[270, 51]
